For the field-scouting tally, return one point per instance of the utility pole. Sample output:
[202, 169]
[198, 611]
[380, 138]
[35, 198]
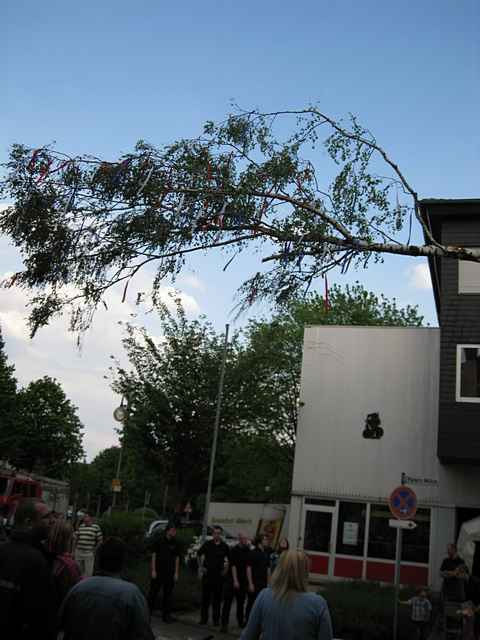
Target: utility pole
[215, 434]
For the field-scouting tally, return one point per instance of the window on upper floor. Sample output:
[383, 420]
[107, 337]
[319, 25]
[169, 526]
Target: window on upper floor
[468, 276]
[468, 373]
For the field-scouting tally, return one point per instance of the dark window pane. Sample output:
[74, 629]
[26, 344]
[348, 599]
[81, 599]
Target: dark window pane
[351, 528]
[318, 527]
[382, 537]
[415, 542]
[470, 372]
[320, 501]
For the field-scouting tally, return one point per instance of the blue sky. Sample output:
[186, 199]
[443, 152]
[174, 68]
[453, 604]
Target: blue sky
[97, 76]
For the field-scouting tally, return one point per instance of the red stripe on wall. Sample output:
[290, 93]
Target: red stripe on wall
[380, 571]
[385, 572]
[414, 575]
[319, 564]
[348, 568]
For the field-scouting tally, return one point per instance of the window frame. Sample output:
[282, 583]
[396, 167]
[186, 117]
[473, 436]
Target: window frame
[465, 264]
[458, 381]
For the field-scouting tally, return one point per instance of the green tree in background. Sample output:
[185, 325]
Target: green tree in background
[172, 391]
[48, 435]
[8, 403]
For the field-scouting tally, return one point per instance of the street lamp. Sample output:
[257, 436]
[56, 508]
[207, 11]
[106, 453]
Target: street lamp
[120, 414]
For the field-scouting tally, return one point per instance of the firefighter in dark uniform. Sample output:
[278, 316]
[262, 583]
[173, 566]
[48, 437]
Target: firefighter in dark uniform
[164, 570]
[213, 562]
[236, 582]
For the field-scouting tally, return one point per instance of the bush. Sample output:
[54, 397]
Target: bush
[364, 610]
[149, 513]
[130, 527]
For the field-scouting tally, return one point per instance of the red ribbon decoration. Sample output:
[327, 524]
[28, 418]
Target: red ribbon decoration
[45, 170]
[31, 164]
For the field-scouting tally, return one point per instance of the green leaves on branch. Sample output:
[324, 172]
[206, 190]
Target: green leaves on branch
[84, 225]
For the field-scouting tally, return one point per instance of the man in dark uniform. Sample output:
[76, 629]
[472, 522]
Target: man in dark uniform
[258, 571]
[213, 562]
[165, 567]
[236, 582]
[455, 575]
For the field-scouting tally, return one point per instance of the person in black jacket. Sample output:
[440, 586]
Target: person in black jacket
[28, 606]
[258, 570]
[213, 558]
[236, 582]
[164, 569]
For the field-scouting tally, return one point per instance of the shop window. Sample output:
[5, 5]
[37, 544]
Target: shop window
[351, 528]
[416, 542]
[382, 537]
[468, 373]
[318, 529]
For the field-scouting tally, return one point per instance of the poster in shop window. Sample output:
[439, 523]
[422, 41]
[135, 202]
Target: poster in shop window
[350, 533]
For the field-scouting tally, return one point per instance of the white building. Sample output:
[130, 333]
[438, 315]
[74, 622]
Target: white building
[413, 379]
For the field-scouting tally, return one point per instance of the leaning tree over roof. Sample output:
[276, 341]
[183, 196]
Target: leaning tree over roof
[84, 224]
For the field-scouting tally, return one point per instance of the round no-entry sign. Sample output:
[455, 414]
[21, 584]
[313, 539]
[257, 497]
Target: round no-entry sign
[403, 503]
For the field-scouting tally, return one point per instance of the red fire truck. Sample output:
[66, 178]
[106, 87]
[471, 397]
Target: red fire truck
[15, 487]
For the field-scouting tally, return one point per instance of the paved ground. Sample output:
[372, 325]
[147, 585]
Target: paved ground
[187, 629]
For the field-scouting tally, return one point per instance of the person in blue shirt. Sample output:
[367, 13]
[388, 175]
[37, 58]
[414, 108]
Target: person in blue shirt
[286, 610]
[106, 607]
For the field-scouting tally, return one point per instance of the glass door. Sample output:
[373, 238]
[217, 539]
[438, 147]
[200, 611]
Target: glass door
[318, 538]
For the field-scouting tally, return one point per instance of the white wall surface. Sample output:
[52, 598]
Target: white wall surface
[349, 372]
[244, 517]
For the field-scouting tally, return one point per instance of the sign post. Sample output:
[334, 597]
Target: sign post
[398, 556]
[403, 505]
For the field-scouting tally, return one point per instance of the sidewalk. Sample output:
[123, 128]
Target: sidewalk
[186, 627]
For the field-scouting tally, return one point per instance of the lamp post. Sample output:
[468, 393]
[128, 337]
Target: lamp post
[215, 434]
[120, 415]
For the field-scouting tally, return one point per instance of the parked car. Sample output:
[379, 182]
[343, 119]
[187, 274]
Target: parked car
[155, 528]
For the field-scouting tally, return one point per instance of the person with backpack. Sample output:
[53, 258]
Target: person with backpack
[27, 593]
[66, 572]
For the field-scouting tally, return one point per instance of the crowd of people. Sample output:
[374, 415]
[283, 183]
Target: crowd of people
[56, 580]
[46, 583]
[282, 611]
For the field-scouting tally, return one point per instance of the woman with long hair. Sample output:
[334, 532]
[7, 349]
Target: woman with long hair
[282, 546]
[287, 610]
[66, 572]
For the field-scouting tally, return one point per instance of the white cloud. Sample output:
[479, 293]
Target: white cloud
[419, 277]
[193, 281]
[53, 351]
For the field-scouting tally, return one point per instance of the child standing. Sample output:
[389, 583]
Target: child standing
[420, 612]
